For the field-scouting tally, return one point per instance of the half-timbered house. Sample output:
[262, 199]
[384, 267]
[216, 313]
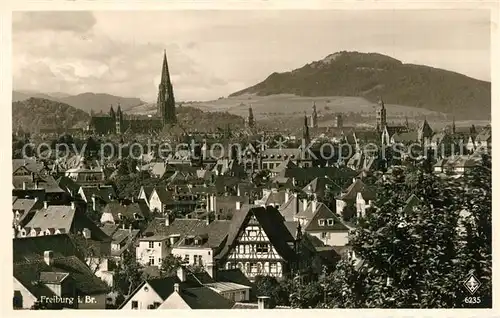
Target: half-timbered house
[259, 243]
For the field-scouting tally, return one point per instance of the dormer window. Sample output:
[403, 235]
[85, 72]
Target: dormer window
[330, 222]
[321, 222]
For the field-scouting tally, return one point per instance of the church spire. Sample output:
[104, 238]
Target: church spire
[166, 101]
[453, 128]
[165, 74]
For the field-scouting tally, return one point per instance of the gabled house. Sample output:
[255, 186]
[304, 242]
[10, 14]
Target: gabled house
[196, 298]
[321, 186]
[50, 268]
[358, 195]
[327, 226]
[24, 210]
[63, 219]
[258, 243]
[124, 211]
[150, 294]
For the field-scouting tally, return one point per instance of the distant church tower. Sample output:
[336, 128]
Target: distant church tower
[166, 101]
[381, 116]
[250, 121]
[314, 117]
[305, 132]
[119, 120]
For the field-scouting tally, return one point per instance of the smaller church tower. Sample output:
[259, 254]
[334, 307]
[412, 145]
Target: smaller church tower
[314, 116]
[305, 135]
[119, 120]
[453, 128]
[250, 121]
[112, 113]
[381, 116]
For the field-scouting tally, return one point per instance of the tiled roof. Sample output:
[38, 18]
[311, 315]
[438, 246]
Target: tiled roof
[319, 186]
[323, 212]
[356, 187]
[127, 210]
[290, 208]
[30, 164]
[68, 185]
[48, 183]
[204, 298]
[56, 217]
[29, 264]
[53, 277]
[272, 223]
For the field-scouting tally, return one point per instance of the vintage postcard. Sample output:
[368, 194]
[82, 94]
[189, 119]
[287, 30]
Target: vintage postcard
[252, 159]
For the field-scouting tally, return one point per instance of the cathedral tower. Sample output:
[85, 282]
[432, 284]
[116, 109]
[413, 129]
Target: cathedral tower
[166, 101]
[119, 120]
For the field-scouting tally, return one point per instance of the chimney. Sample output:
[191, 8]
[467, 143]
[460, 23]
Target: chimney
[24, 185]
[238, 205]
[294, 182]
[313, 203]
[45, 204]
[181, 274]
[36, 199]
[287, 195]
[209, 200]
[176, 287]
[73, 205]
[208, 219]
[263, 302]
[33, 176]
[213, 205]
[94, 208]
[48, 257]
[167, 219]
[304, 204]
[130, 228]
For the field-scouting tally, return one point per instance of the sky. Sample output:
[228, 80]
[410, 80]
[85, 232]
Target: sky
[215, 53]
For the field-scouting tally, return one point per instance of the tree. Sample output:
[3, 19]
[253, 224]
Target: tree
[170, 264]
[128, 276]
[417, 257]
[278, 292]
[89, 251]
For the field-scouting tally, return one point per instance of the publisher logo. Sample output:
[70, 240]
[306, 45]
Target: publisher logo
[471, 283]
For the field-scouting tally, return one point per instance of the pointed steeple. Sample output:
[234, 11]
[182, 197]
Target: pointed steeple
[406, 122]
[314, 116]
[166, 101]
[305, 132]
[119, 110]
[165, 74]
[453, 128]
[112, 112]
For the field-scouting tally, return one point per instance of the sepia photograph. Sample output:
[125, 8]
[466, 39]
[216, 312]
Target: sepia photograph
[252, 159]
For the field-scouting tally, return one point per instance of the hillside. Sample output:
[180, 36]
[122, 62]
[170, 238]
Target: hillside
[35, 113]
[84, 101]
[193, 118]
[370, 75]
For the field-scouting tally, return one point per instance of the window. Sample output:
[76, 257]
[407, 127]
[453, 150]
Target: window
[330, 222]
[247, 265]
[273, 268]
[151, 260]
[159, 244]
[186, 258]
[135, 304]
[262, 248]
[240, 266]
[324, 235]
[321, 222]
[259, 267]
[151, 244]
[252, 233]
[198, 260]
[159, 260]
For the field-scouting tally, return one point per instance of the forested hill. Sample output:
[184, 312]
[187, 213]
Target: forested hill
[371, 75]
[38, 113]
